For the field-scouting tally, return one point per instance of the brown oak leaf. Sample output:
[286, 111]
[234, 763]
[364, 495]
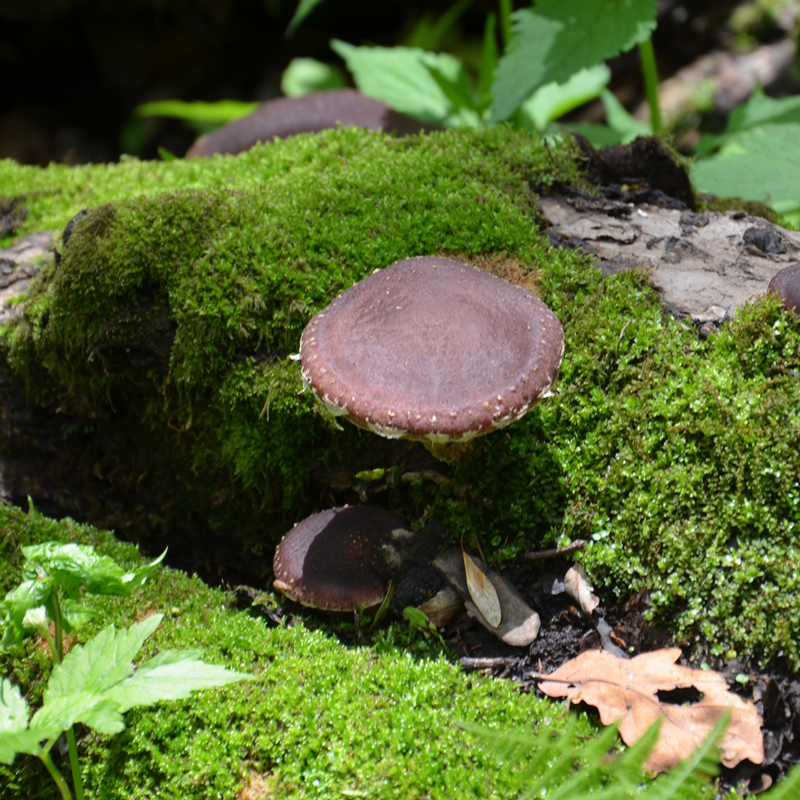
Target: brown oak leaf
[627, 690]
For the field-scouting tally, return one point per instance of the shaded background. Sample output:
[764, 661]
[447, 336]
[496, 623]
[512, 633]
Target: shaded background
[74, 70]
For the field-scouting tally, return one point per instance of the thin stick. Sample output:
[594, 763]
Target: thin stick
[578, 544]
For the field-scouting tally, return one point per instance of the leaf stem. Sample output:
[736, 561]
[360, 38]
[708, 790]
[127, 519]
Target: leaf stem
[55, 774]
[505, 21]
[59, 629]
[650, 73]
[77, 780]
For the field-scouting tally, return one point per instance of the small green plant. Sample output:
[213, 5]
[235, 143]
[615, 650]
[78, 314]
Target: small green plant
[93, 683]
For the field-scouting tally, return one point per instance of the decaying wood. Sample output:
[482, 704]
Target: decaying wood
[705, 266]
[519, 625]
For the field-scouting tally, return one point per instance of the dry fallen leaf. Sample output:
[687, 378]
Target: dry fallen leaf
[481, 591]
[577, 586]
[627, 690]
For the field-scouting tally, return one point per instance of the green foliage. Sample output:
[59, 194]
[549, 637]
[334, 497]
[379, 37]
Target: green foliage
[550, 45]
[200, 116]
[305, 75]
[757, 154]
[52, 567]
[92, 684]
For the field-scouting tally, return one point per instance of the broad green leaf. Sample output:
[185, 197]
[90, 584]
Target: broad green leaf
[759, 110]
[75, 615]
[552, 101]
[758, 164]
[197, 114]
[598, 135]
[172, 675]
[557, 38]
[401, 77]
[101, 663]
[304, 8]
[91, 708]
[306, 75]
[70, 566]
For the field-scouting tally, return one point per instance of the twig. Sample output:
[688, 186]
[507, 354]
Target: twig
[578, 544]
[482, 663]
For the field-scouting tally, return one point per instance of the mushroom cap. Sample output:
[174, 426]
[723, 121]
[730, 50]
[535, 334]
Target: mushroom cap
[331, 560]
[310, 113]
[786, 284]
[432, 349]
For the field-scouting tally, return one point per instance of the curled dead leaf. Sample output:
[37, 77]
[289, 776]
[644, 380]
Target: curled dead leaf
[482, 592]
[627, 690]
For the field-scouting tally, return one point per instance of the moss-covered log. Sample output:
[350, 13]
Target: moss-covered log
[176, 313]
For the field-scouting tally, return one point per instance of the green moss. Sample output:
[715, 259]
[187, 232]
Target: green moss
[324, 720]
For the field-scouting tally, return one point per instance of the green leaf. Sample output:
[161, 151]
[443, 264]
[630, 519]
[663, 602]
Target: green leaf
[552, 101]
[429, 32]
[621, 121]
[759, 110]
[401, 77]
[559, 37]
[91, 708]
[304, 8]
[100, 664]
[172, 675]
[18, 602]
[197, 115]
[489, 60]
[759, 164]
[306, 75]
[70, 566]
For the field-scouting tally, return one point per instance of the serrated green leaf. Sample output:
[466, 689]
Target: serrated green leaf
[71, 566]
[759, 164]
[552, 101]
[91, 708]
[100, 664]
[557, 38]
[172, 675]
[400, 76]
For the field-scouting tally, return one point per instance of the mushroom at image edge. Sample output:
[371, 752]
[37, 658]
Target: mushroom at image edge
[434, 350]
[330, 561]
[786, 284]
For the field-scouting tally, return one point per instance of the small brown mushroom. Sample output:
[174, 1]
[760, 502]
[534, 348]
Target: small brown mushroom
[331, 560]
[787, 285]
[434, 350]
[310, 113]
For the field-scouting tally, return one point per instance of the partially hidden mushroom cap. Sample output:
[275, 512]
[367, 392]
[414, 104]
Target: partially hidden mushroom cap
[331, 559]
[787, 285]
[311, 113]
[432, 349]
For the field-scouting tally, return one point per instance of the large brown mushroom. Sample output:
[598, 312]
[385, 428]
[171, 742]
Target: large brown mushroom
[434, 350]
[310, 113]
[331, 560]
[787, 285]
